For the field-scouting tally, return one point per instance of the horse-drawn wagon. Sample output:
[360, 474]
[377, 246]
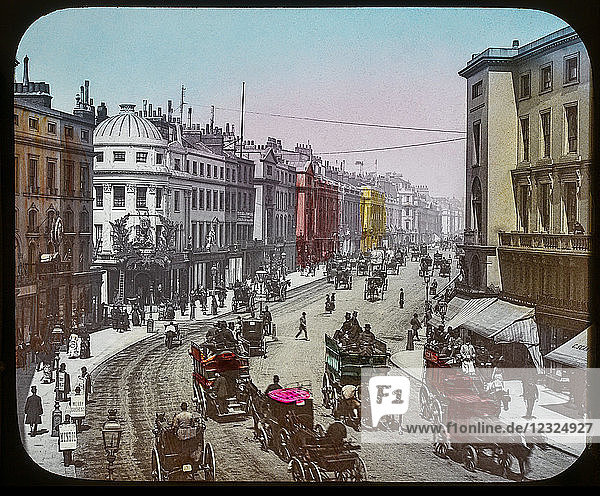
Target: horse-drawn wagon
[373, 288]
[345, 366]
[343, 276]
[445, 268]
[252, 338]
[243, 299]
[177, 452]
[230, 398]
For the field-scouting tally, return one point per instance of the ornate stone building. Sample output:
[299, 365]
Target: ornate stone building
[53, 211]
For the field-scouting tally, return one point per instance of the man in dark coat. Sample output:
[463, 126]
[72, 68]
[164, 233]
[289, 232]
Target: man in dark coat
[415, 325]
[401, 298]
[33, 411]
[221, 391]
[274, 385]
[63, 383]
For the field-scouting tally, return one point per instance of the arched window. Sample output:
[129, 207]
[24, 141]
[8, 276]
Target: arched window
[84, 221]
[476, 202]
[32, 225]
[68, 221]
[49, 220]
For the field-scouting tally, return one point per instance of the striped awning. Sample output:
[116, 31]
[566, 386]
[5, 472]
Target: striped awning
[501, 317]
[454, 306]
[469, 310]
[572, 353]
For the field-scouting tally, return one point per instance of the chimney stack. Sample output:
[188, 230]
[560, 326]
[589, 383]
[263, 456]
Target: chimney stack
[26, 71]
[515, 44]
[86, 99]
[169, 110]
[189, 117]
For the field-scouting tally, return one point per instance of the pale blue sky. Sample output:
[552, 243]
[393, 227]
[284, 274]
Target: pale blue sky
[392, 66]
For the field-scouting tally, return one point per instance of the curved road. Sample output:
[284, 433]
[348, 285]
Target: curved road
[146, 378]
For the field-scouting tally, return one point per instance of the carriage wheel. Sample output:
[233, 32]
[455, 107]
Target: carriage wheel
[436, 413]
[203, 405]
[297, 470]
[441, 444]
[156, 470]
[209, 463]
[470, 458]
[314, 474]
[282, 448]
[359, 471]
[263, 437]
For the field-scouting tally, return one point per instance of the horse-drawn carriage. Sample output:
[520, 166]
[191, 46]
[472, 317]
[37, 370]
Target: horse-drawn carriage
[437, 260]
[415, 253]
[235, 371]
[423, 249]
[362, 266]
[376, 261]
[343, 276]
[252, 338]
[393, 266]
[173, 334]
[344, 366]
[445, 268]
[449, 396]
[425, 265]
[181, 452]
[373, 288]
[276, 288]
[331, 270]
[243, 298]
[284, 423]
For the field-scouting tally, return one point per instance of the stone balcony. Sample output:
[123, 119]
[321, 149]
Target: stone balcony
[576, 243]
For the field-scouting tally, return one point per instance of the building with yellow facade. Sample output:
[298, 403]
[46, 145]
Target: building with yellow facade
[372, 217]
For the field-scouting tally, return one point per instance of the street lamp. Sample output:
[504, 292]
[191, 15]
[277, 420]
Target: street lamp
[111, 437]
[426, 277]
[260, 278]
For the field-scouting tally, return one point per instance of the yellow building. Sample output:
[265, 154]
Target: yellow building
[372, 217]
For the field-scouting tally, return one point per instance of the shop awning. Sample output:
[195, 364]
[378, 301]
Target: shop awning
[469, 310]
[572, 353]
[454, 306]
[497, 318]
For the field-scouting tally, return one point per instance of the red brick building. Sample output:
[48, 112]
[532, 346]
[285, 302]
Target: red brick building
[317, 216]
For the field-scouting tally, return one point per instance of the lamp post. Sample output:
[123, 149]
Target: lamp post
[426, 277]
[111, 437]
[260, 278]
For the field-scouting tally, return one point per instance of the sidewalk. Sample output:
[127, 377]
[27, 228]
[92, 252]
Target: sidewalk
[43, 448]
[551, 406]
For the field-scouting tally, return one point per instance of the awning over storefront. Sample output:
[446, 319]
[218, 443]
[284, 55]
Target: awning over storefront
[497, 318]
[572, 353]
[454, 306]
[469, 310]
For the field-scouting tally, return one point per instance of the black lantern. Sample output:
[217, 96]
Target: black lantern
[111, 437]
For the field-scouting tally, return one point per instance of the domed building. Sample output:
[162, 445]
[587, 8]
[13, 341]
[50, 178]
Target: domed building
[159, 209]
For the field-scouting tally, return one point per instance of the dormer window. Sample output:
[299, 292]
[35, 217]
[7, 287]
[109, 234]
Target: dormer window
[141, 157]
[119, 156]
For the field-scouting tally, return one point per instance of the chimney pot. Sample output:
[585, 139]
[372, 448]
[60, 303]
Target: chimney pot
[515, 44]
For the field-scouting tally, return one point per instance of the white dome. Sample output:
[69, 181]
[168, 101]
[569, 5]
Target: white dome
[127, 128]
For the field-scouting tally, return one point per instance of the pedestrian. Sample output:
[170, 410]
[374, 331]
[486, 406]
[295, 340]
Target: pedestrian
[36, 347]
[302, 327]
[142, 313]
[213, 305]
[182, 304]
[530, 395]
[274, 385]
[84, 348]
[327, 304]
[63, 383]
[33, 411]
[67, 453]
[401, 298]
[135, 316]
[415, 324]
[85, 382]
[192, 309]
[221, 392]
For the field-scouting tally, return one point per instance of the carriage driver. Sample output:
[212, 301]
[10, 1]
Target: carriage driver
[188, 425]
